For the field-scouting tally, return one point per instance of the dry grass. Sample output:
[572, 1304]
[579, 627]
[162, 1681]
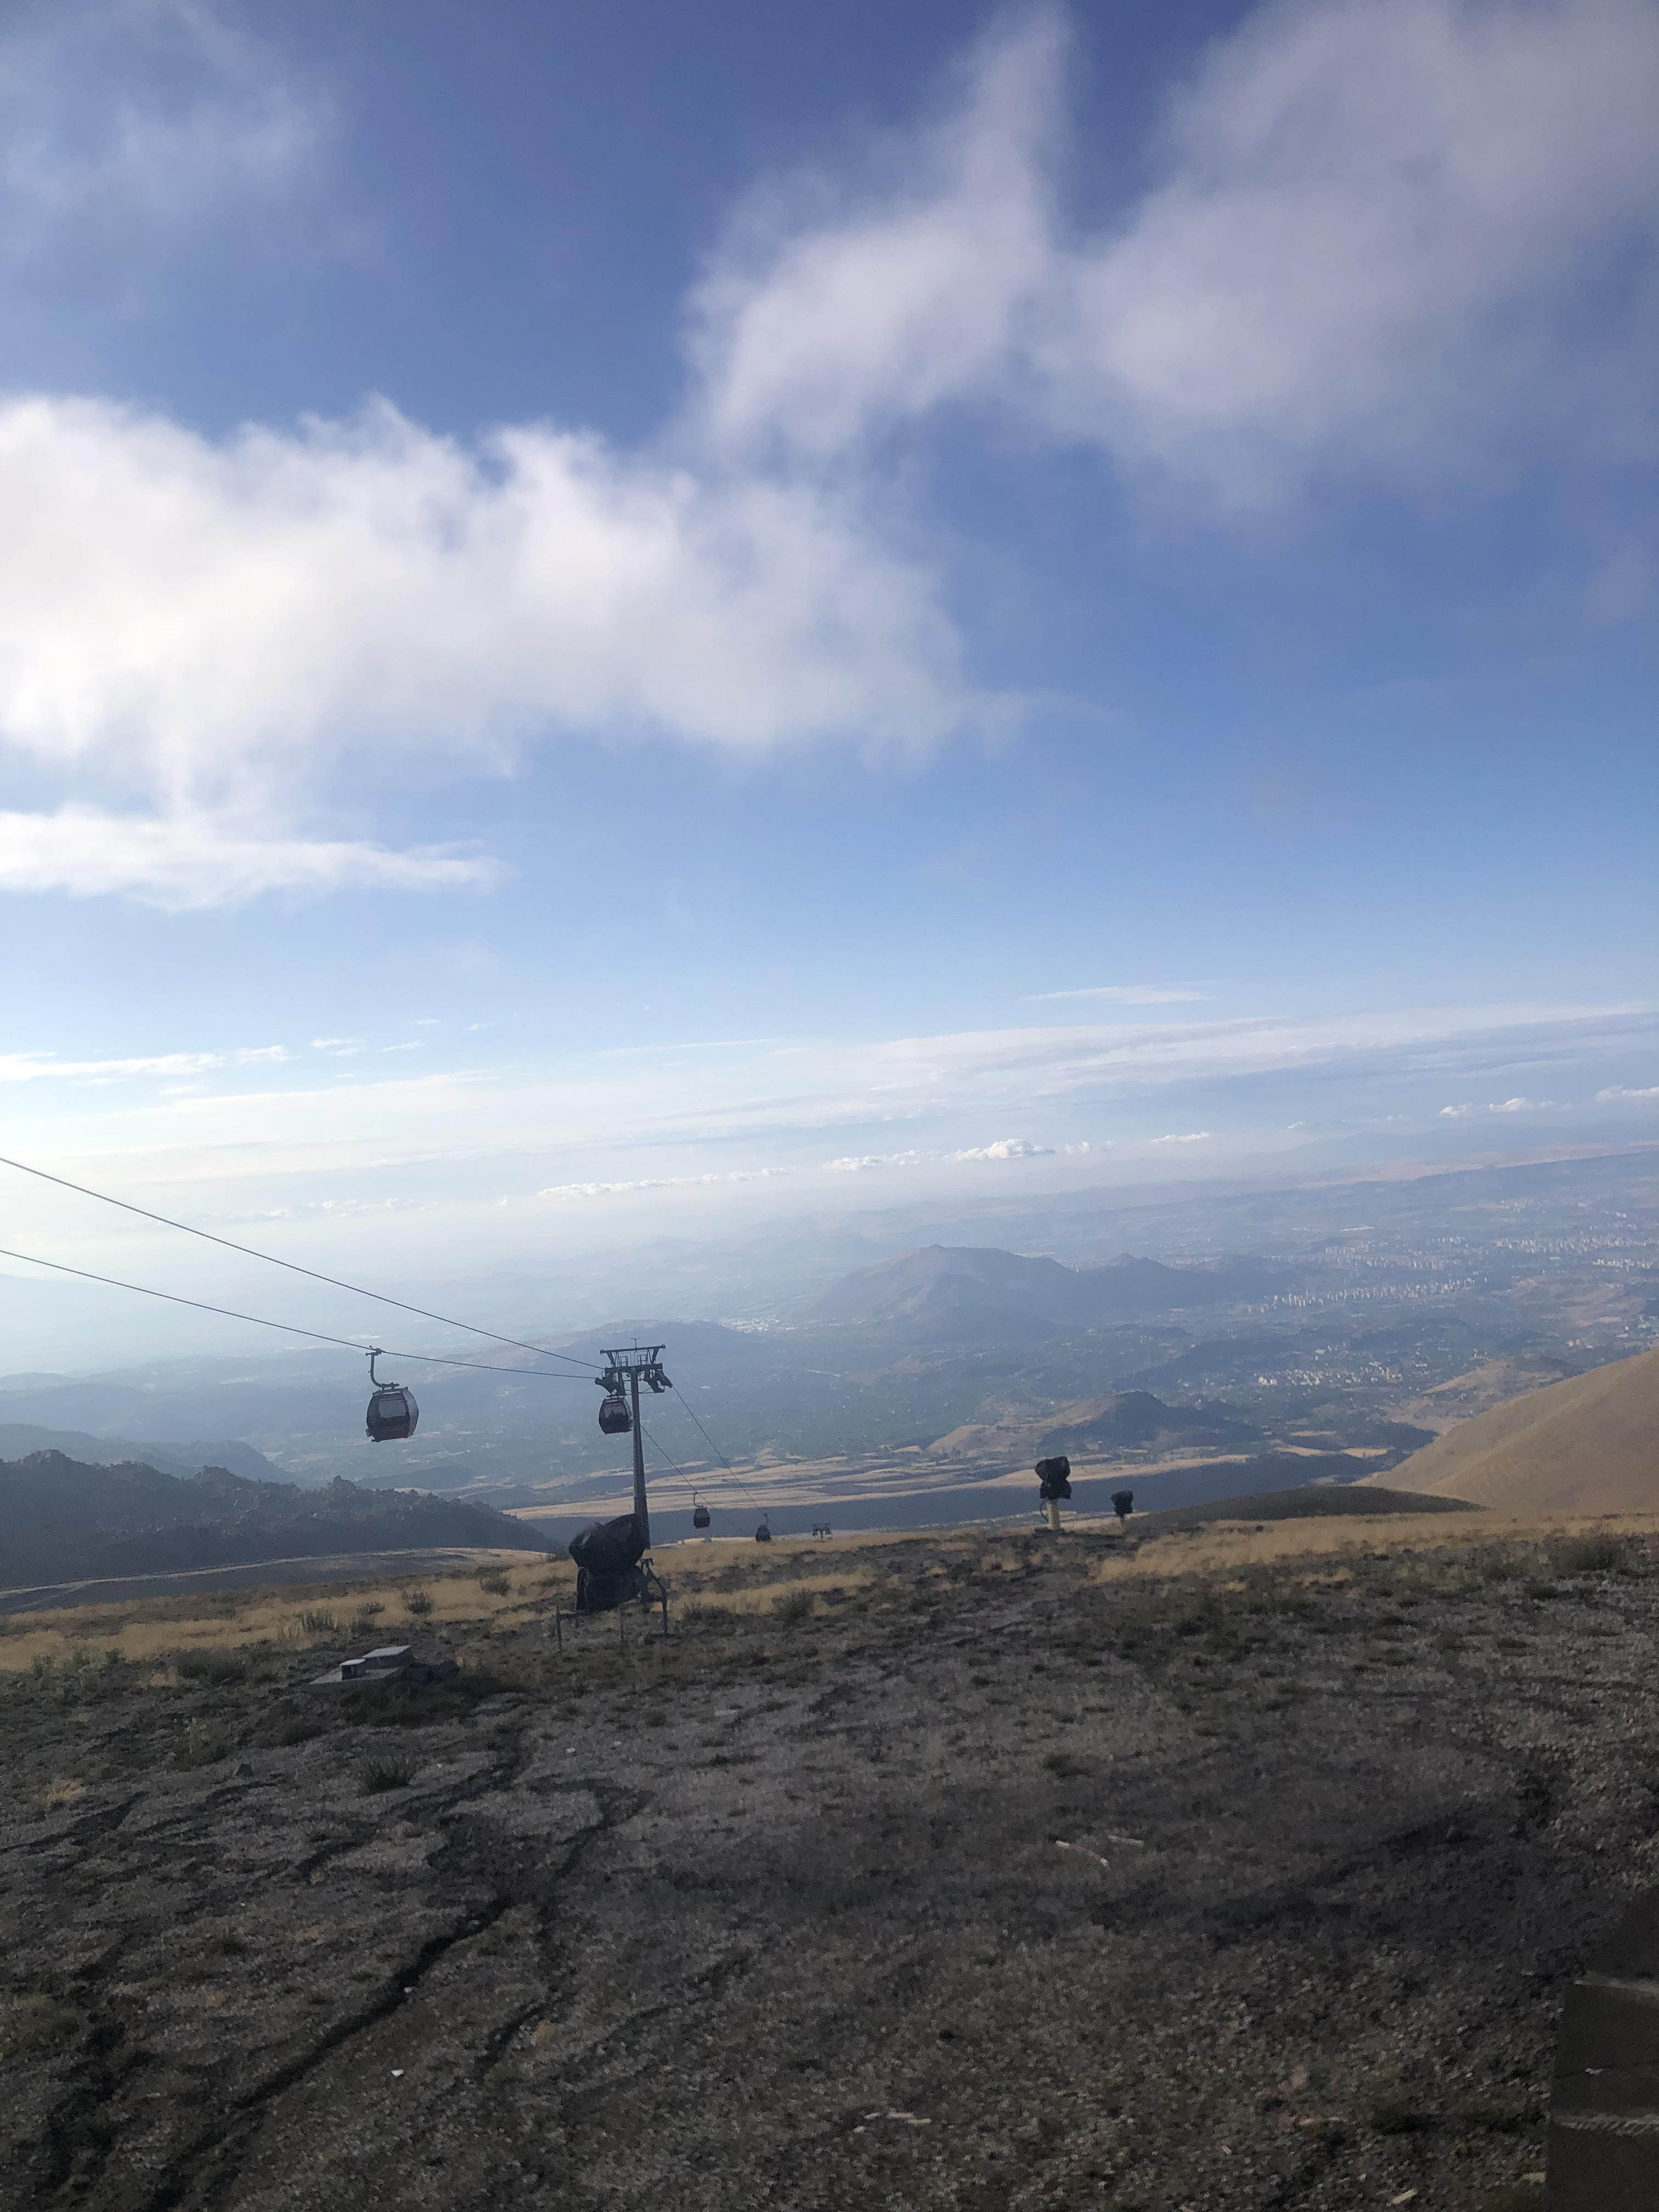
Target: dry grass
[766, 1593]
[196, 1637]
[1223, 1546]
[153, 1631]
[385, 1771]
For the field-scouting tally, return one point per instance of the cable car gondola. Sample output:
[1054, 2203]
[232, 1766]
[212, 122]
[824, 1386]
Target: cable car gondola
[763, 1534]
[392, 1413]
[614, 1417]
[700, 1513]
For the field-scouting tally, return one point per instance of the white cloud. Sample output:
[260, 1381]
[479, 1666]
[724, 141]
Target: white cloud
[1376, 234]
[1126, 995]
[1620, 1091]
[660, 1183]
[207, 627]
[861, 1163]
[1499, 1106]
[193, 859]
[1185, 1137]
[1005, 1148]
[122, 121]
[832, 307]
[39, 1066]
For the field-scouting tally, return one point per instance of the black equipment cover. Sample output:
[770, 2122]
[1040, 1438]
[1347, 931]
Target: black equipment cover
[607, 1557]
[1054, 1478]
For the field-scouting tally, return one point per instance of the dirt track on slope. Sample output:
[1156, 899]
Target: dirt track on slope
[949, 1875]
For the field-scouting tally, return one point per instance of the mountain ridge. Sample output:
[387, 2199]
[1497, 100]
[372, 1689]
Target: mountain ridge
[18, 1439]
[950, 1285]
[61, 1519]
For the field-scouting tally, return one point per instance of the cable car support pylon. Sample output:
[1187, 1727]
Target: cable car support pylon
[623, 1372]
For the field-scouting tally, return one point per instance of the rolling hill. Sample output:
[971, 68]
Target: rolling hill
[1134, 1419]
[1589, 1444]
[60, 1518]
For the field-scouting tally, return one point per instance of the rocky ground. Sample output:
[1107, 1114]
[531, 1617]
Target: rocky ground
[963, 1872]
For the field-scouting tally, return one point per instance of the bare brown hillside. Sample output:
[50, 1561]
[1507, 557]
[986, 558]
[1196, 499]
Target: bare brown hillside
[1587, 1445]
[1494, 1382]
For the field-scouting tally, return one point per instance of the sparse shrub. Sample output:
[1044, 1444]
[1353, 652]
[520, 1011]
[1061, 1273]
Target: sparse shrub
[63, 1790]
[216, 1668]
[371, 1611]
[83, 1678]
[1499, 1566]
[418, 1602]
[495, 1581]
[794, 1606]
[385, 1770]
[297, 1728]
[206, 1742]
[1594, 1555]
[317, 1620]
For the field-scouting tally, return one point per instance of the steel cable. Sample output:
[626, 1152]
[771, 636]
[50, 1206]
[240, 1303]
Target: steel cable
[336, 1282]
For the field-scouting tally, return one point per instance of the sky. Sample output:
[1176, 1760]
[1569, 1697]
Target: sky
[621, 618]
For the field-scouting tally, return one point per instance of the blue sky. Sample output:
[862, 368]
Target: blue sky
[640, 604]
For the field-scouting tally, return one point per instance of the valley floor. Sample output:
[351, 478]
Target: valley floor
[973, 1871]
